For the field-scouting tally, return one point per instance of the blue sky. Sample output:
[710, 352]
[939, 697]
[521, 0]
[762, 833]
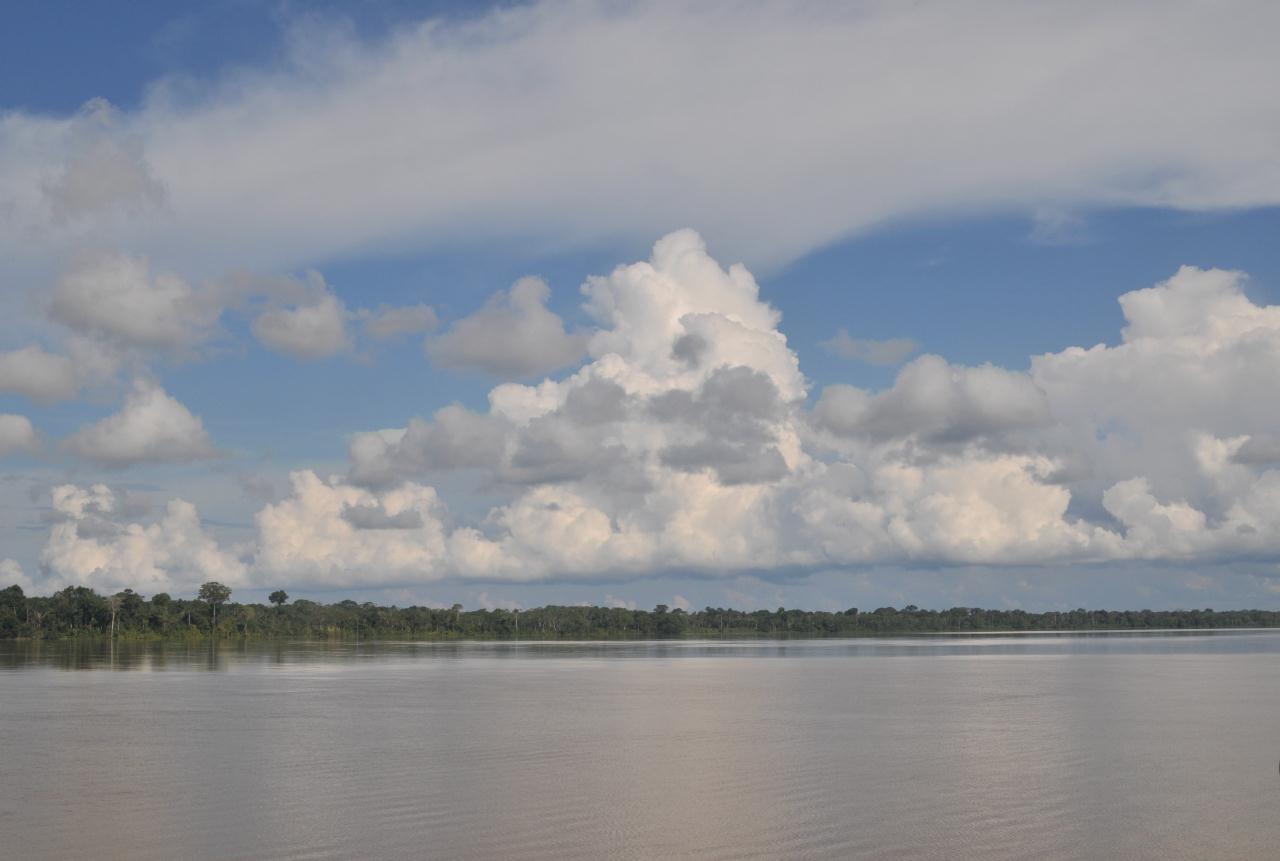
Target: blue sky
[240, 238]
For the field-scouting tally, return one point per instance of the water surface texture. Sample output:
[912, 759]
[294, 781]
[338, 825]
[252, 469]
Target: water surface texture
[1153, 745]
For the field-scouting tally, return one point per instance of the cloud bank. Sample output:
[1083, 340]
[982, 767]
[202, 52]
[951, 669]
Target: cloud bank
[686, 443]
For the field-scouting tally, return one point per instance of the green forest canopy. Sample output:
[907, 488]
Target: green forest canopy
[78, 610]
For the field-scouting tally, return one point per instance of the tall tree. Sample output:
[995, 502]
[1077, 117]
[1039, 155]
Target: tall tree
[214, 594]
[278, 597]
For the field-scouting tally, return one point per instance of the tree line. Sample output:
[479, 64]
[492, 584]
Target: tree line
[78, 610]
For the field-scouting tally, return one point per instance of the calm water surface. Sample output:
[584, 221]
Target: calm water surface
[1097, 746]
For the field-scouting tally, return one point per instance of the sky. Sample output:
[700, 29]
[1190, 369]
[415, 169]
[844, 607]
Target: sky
[733, 304]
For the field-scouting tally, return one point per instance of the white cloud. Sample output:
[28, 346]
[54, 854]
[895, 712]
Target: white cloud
[683, 444]
[628, 464]
[38, 375]
[588, 459]
[152, 427]
[311, 535]
[93, 547]
[17, 435]
[11, 575]
[1194, 358]
[892, 351]
[507, 125]
[513, 335]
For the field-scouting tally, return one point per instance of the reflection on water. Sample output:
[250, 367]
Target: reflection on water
[153, 655]
[1135, 745]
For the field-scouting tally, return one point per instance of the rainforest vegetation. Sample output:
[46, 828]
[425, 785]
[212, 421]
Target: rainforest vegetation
[77, 611]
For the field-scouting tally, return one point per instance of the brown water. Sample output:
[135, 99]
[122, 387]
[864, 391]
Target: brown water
[1115, 746]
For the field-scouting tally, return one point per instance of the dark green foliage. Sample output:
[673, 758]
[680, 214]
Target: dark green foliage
[215, 595]
[78, 610]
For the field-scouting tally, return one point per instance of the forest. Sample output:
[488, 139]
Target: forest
[80, 611]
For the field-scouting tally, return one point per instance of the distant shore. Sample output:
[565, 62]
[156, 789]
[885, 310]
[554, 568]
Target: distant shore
[80, 612]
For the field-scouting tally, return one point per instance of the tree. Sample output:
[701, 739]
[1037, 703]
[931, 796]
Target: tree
[160, 610]
[214, 594]
[11, 601]
[278, 597]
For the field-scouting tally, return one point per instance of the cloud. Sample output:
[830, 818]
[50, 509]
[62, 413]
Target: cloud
[456, 438]
[843, 117]
[892, 351]
[514, 335]
[314, 330]
[376, 517]
[41, 376]
[641, 459]
[152, 427]
[117, 297]
[305, 319]
[1193, 356]
[104, 171]
[386, 322]
[938, 402]
[1260, 450]
[119, 309]
[92, 546]
[650, 459]
[17, 435]
[730, 422]
[310, 534]
[11, 575]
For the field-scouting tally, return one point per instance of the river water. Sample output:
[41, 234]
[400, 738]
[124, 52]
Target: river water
[1145, 745]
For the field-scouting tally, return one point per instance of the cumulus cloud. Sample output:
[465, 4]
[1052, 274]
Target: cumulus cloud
[17, 435]
[514, 335]
[730, 426]
[332, 161]
[11, 575]
[152, 427]
[657, 456]
[455, 438]
[95, 546]
[938, 402]
[892, 351]
[311, 534]
[41, 376]
[1194, 355]
[684, 444]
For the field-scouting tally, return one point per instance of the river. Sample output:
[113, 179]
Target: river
[1135, 745]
